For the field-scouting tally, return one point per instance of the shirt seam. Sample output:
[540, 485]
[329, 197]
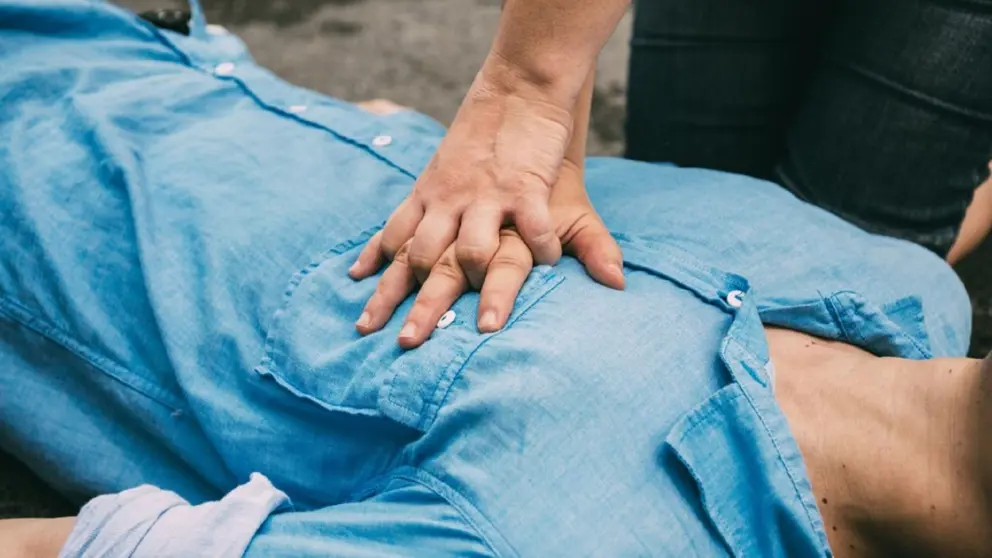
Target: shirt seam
[187, 61]
[816, 526]
[17, 314]
[489, 534]
[841, 312]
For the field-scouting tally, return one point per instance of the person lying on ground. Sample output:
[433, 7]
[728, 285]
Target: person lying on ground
[178, 345]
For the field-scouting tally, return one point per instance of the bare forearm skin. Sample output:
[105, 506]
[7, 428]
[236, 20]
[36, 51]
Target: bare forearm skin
[550, 46]
[34, 538]
[581, 113]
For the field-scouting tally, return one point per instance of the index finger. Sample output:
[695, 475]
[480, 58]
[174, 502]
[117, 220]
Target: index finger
[508, 270]
[370, 259]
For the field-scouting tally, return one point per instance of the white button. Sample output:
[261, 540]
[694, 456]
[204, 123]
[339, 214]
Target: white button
[297, 109]
[216, 30]
[734, 298]
[446, 319]
[224, 69]
[382, 141]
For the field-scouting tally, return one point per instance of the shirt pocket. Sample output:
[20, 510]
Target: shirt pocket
[750, 477]
[313, 350]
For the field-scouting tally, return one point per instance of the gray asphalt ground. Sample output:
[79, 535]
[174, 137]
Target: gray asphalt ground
[419, 53]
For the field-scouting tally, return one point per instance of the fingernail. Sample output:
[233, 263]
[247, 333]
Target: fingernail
[409, 331]
[488, 321]
[617, 269]
[354, 267]
[364, 320]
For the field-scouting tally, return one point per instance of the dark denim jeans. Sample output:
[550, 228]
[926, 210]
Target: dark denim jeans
[877, 110]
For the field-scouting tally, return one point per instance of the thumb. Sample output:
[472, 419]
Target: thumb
[593, 245]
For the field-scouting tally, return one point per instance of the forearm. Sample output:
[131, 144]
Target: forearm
[34, 538]
[552, 45]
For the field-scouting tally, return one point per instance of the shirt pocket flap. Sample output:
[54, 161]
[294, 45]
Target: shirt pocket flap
[752, 484]
[313, 349]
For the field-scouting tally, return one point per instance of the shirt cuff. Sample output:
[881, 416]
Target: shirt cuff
[148, 521]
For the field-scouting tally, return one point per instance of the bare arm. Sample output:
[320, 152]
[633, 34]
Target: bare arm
[510, 27]
[34, 538]
[552, 44]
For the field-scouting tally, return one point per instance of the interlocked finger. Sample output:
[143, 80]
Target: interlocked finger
[439, 292]
[507, 273]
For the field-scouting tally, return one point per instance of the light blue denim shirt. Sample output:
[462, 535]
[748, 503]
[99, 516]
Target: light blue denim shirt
[175, 315]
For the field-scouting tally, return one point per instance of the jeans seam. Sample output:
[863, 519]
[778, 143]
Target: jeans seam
[918, 96]
[19, 315]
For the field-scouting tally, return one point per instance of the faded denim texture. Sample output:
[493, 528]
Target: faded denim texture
[175, 312]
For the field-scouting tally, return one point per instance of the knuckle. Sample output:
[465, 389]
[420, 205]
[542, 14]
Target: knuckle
[512, 262]
[424, 305]
[449, 269]
[383, 292]
[420, 262]
[475, 256]
[543, 237]
[509, 232]
[402, 254]
[389, 251]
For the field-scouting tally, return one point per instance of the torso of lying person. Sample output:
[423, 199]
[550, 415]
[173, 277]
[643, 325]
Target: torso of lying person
[174, 285]
[895, 448]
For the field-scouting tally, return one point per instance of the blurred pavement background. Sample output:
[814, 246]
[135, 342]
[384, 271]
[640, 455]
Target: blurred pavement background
[418, 53]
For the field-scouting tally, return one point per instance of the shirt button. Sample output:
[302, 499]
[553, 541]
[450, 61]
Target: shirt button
[735, 298]
[216, 30]
[446, 319]
[297, 109]
[224, 69]
[382, 141]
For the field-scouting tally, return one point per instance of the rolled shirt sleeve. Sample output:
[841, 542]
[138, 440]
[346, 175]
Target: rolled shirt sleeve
[149, 522]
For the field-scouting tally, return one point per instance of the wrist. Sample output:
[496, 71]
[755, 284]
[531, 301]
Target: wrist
[523, 103]
[534, 79]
